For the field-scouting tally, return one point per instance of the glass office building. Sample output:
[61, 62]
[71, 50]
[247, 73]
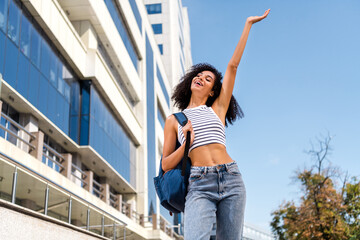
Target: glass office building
[84, 97]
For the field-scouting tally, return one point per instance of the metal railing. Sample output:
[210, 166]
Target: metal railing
[113, 200]
[56, 159]
[125, 208]
[75, 205]
[83, 174]
[16, 134]
[97, 189]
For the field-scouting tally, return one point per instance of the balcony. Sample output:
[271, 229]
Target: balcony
[22, 186]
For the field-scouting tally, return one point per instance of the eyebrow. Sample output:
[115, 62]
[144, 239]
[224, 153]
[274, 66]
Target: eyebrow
[209, 76]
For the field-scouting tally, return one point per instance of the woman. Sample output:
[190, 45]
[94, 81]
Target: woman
[216, 190]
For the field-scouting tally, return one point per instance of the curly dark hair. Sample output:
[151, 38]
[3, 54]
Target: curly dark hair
[182, 92]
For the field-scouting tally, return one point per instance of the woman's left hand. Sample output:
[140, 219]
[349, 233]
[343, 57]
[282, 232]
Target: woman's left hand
[255, 19]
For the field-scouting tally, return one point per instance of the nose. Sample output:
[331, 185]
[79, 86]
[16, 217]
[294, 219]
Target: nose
[202, 78]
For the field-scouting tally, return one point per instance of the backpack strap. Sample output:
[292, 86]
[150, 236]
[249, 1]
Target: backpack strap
[182, 119]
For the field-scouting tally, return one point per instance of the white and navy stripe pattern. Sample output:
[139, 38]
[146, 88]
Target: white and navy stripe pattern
[207, 126]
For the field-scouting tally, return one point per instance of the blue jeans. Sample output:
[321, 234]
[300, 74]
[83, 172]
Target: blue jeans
[216, 192]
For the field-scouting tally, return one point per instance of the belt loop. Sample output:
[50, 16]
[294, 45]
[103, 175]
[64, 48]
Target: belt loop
[226, 167]
[205, 170]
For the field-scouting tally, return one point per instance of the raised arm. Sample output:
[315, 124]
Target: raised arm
[221, 104]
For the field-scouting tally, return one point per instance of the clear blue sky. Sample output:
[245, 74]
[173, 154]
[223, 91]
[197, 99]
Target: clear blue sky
[299, 77]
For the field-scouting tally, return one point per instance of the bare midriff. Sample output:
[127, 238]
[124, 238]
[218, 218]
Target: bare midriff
[209, 155]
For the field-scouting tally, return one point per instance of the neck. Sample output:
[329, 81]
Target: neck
[195, 102]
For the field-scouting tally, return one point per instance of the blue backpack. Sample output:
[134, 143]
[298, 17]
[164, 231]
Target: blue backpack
[171, 187]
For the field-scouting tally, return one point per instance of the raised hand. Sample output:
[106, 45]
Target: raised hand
[255, 19]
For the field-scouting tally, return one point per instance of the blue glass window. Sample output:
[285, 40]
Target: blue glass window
[67, 91]
[2, 51]
[75, 98]
[45, 58]
[85, 111]
[53, 69]
[84, 131]
[124, 34]
[51, 104]
[35, 47]
[74, 128]
[3, 14]
[45, 81]
[66, 117]
[74, 111]
[162, 84]
[85, 99]
[161, 48]
[25, 36]
[43, 95]
[68, 78]
[60, 80]
[136, 13]
[157, 28]
[23, 76]
[153, 8]
[34, 85]
[58, 111]
[107, 136]
[14, 22]
[11, 63]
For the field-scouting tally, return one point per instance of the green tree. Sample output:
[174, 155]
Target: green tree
[324, 211]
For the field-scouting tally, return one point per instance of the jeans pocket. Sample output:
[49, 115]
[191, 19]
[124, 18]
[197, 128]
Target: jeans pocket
[234, 171]
[195, 177]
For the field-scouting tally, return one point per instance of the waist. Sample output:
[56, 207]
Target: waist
[209, 155]
[217, 168]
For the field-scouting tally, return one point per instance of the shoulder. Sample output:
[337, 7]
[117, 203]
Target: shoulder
[170, 122]
[171, 119]
[171, 125]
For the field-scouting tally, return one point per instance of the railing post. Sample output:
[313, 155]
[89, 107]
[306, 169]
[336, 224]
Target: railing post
[38, 142]
[154, 221]
[88, 219]
[141, 220]
[106, 190]
[69, 212]
[129, 210]
[102, 225]
[67, 164]
[46, 199]
[30, 124]
[89, 181]
[119, 202]
[13, 191]
[162, 224]
[114, 236]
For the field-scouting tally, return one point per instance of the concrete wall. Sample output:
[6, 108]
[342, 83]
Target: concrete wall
[35, 227]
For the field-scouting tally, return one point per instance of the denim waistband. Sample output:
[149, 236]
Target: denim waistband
[218, 168]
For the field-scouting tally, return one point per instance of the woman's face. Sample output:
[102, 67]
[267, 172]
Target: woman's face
[203, 83]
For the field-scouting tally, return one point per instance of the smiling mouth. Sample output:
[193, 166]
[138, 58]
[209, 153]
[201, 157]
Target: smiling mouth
[198, 83]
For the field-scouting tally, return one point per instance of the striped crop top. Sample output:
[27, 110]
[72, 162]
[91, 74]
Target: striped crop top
[207, 127]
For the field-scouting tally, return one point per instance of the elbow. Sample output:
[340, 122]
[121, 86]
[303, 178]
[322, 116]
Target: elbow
[233, 66]
[164, 165]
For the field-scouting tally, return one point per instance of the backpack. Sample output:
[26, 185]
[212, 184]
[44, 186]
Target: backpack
[171, 187]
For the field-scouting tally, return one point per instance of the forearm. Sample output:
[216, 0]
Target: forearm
[235, 59]
[171, 161]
